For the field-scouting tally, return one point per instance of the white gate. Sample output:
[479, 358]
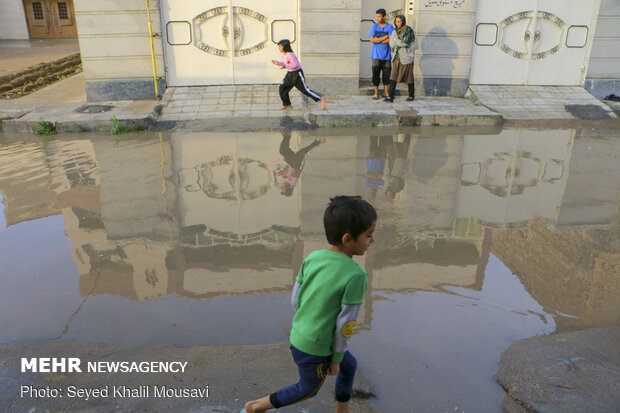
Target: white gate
[532, 42]
[393, 8]
[217, 42]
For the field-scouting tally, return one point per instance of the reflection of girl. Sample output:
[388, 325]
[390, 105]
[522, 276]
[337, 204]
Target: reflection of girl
[401, 41]
[294, 77]
[289, 175]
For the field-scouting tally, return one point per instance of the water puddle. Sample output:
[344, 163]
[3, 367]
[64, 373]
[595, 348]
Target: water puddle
[195, 239]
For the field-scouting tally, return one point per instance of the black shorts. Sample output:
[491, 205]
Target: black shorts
[381, 70]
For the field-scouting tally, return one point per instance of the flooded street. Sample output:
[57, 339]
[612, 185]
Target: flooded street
[195, 239]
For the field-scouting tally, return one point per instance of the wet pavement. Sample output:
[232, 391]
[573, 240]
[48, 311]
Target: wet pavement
[64, 108]
[260, 105]
[228, 108]
[566, 372]
[527, 103]
[194, 239]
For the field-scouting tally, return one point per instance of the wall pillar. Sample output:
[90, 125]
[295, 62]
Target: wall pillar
[329, 44]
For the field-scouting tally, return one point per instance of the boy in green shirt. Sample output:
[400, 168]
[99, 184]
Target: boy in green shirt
[327, 297]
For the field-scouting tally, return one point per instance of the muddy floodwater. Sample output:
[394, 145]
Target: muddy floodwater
[195, 238]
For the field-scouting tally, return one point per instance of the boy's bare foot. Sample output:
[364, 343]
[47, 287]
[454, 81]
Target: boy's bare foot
[323, 104]
[248, 408]
[284, 107]
[343, 407]
[258, 406]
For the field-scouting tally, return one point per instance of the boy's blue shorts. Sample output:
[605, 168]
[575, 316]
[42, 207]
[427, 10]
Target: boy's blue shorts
[312, 374]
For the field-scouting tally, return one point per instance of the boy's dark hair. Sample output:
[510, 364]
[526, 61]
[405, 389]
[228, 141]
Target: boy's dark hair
[381, 12]
[347, 214]
[286, 45]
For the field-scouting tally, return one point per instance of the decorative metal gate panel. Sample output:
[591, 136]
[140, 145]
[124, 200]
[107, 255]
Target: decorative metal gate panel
[531, 42]
[224, 41]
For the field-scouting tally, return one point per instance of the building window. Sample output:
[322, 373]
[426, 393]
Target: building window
[62, 11]
[37, 10]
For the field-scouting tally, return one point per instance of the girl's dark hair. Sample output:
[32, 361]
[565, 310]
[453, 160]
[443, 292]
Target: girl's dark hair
[402, 18]
[347, 214]
[381, 12]
[286, 45]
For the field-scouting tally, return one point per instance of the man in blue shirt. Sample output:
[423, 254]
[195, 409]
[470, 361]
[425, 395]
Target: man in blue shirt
[381, 56]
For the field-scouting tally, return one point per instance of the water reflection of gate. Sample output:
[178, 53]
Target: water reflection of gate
[120, 234]
[233, 219]
[225, 42]
[507, 180]
[231, 178]
[227, 183]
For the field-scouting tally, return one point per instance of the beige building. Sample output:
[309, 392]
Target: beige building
[458, 42]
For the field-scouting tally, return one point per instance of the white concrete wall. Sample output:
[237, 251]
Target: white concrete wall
[329, 44]
[13, 23]
[115, 45]
[444, 41]
[114, 42]
[114, 39]
[603, 76]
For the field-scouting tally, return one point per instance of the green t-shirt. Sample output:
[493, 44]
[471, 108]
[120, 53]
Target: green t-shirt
[328, 279]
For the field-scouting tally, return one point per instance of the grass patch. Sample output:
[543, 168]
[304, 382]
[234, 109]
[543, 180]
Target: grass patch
[119, 129]
[38, 76]
[46, 128]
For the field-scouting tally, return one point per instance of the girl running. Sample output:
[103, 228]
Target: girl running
[294, 77]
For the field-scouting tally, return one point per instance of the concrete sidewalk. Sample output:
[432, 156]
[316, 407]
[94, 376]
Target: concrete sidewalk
[64, 105]
[542, 103]
[214, 106]
[229, 107]
[255, 107]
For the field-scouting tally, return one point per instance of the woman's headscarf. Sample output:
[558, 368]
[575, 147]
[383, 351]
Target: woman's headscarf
[405, 33]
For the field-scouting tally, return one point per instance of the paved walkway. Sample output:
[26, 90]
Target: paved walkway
[58, 103]
[192, 106]
[255, 107]
[17, 55]
[542, 102]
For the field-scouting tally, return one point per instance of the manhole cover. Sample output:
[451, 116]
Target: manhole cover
[93, 108]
